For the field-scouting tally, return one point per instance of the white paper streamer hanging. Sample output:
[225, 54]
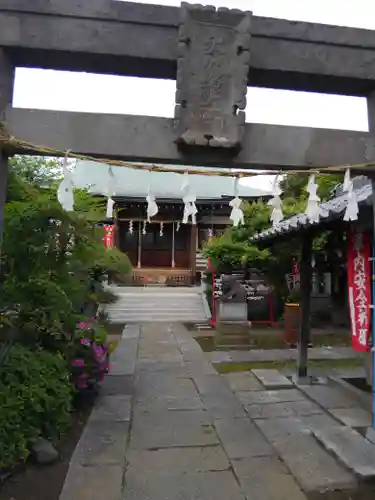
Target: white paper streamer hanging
[65, 194]
[236, 215]
[152, 207]
[131, 227]
[351, 212]
[110, 193]
[144, 229]
[178, 226]
[189, 199]
[312, 208]
[277, 211]
[161, 232]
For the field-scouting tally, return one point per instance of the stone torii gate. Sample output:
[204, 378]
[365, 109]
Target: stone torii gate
[213, 55]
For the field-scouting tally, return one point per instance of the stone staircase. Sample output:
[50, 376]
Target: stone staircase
[201, 262]
[157, 304]
[232, 336]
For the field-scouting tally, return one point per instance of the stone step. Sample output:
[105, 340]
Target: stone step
[349, 447]
[272, 379]
[197, 315]
[155, 308]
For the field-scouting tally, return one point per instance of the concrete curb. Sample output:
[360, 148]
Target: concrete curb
[98, 461]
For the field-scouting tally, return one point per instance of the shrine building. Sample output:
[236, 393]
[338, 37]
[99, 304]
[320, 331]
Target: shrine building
[164, 249]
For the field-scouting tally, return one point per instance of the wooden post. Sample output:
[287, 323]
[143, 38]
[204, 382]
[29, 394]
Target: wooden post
[139, 263]
[193, 251]
[6, 95]
[173, 246]
[305, 302]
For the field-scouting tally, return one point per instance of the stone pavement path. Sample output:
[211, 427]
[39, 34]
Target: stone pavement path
[168, 426]
[261, 355]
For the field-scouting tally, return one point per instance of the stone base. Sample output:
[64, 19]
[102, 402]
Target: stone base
[309, 380]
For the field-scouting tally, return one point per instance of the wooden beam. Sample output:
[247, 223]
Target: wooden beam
[150, 139]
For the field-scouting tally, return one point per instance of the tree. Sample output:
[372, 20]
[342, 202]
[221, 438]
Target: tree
[49, 256]
[235, 247]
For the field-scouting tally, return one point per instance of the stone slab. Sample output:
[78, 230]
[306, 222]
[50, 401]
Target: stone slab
[353, 417]
[118, 384]
[313, 468]
[287, 409]
[175, 461]
[351, 448]
[220, 485]
[221, 404]
[200, 368]
[172, 429]
[89, 483]
[169, 403]
[274, 428]
[241, 438]
[164, 385]
[123, 360]
[272, 379]
[265, 397]
[208, 384]
[266, 478]
[270, 410]
[102, 443]
[113, 408]
[243, 381]
[330, 397]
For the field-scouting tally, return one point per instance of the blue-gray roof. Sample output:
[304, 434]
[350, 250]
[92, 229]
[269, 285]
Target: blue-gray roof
[134, 183]
[332, 209]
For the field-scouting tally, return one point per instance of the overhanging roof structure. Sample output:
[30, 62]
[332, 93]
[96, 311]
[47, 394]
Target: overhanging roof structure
[131, 183]
[329, 211]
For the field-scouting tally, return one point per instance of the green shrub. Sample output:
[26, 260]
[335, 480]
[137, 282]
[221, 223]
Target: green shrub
[35, 400]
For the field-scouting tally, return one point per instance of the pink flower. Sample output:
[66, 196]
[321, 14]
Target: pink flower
[83, 325]
[78, 362]
[81, 384]
[85, 341]
[98, 351]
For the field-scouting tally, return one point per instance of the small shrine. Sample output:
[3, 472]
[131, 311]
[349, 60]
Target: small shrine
[155, 223]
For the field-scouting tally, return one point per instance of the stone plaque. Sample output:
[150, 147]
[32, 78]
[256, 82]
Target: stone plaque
[212, 73]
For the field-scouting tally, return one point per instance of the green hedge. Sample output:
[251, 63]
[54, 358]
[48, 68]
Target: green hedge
[35, 400]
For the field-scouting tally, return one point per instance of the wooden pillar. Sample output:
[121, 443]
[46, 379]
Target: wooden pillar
[6, 96]
[139, 263]
[193, 250]
[305, 303]
[117, 230]
[173, 246]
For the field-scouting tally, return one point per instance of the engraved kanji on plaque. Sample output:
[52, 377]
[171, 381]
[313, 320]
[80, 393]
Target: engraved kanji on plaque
[212, 74]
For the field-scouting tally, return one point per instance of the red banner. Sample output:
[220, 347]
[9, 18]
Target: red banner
[359, 287]
[108, 236]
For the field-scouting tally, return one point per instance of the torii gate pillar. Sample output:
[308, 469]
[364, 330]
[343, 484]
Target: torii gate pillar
[6, 96]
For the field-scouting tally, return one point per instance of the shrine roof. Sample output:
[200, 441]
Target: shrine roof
[329, 210]
[134, 183]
